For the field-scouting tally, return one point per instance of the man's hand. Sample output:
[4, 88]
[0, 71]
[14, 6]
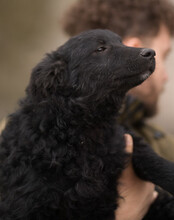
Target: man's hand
[137, 195]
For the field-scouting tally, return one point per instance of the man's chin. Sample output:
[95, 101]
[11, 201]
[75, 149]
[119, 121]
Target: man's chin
[151, 109]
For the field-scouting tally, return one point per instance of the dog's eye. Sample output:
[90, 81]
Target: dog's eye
[100, 49]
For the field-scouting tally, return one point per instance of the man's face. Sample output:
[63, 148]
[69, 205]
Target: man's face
[149, 91]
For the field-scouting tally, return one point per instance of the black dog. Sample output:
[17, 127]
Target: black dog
[62, 152]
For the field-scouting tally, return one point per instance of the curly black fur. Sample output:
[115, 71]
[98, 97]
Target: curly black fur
[62, 152]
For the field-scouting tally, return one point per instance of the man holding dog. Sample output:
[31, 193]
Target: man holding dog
[140, 24]
[148, 24]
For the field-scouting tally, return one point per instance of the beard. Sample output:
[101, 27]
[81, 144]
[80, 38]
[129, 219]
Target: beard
[151, 109]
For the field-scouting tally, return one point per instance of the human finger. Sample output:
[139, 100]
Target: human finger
[129, 143]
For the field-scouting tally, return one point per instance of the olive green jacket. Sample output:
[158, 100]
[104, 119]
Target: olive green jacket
[132, 115]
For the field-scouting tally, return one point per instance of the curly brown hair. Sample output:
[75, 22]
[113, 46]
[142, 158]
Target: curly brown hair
[141, 18]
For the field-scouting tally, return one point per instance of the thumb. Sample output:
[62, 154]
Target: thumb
[129, 143]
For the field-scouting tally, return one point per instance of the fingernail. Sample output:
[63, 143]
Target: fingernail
[129, 143]
[128, 139]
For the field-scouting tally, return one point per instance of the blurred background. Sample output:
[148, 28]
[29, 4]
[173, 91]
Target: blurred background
[28, 30]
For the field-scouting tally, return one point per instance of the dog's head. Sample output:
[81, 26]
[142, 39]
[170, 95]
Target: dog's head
[92, 64]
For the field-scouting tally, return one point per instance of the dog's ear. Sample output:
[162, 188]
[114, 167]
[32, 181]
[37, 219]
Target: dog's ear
[49, 77]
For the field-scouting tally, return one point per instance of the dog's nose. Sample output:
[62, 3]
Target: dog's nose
[148, 53]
